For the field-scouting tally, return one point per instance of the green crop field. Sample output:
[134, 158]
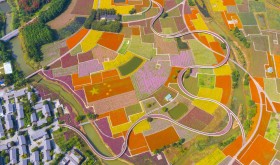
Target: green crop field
[274, 18]
[247, 18]
[145, 50]
[207, 81]
[251, 29]
[256, 6]
[178, 111]
[272, 130]
[133, 109]
[124, 46]
[130, 66]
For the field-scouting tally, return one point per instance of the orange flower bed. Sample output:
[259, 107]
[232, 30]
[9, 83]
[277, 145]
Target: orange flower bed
[226, 17]
[96, 78]
[111, 40]
[161, 2]
[137, 143]
[76, 38]
[254, 91]
[110, 87]
[189, 22]
[232, 149]
[118, 117]
[261, 151]
[204, 40]
[110, 73]
[276, 105]
[162, 138]
[277, 64]
[78, 81]
[217, 47]
[220, 83]
[229, 2]
[174, 72]
[136, 31]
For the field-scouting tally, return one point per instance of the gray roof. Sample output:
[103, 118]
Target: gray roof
[3, 147]
[19, 93]
[1, 128]
[109, 17]
[13, 155]
[46, 110]
[22, 140]
[9, 122]
[41, 122]
[33, 117]
[23, 149]
[35, 157]
[47, 155]
[10, 108]
[38, 106]
[47, 145]
[20, 112]
[38, 134]
[1, 109]
[21, 123]
[24, 162]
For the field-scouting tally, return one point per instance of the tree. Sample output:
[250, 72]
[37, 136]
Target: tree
[80, 118]
[164, 109]
[150, 119]
[164, 15]
[34, 98]
[132, 11]
[188, 72]
[35, 149]
[191, 3]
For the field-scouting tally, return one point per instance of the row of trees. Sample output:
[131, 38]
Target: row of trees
[2, 23]
[235, 75]
[238, 34]
[94, 22]
[34, 36]
[55, 9]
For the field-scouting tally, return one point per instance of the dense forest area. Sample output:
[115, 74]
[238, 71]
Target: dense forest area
[96, 22]
[34, 36]
[17, 77]
[2, 24]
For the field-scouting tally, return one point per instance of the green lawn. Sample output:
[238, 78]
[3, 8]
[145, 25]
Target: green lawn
[191, 84]
[133, 109]
[207, 81]
[178, 111]
[130, 66]
[202, 55]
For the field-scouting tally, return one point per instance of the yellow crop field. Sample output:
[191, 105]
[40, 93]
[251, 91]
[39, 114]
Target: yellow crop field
[207, 106]
[106, 4]
[223, 70]
[199, 24]
[90, 40]
[118, 61]
[141, 127]
[212, 159]
[217, 5]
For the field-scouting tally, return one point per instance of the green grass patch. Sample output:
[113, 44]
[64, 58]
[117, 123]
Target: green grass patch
[202, 55]
[251, 29]
[191, 84]
[178, 111]
[247, 18]
[239, 1]
[145, 50]
[256, 6]
[133, 109]
[124, 46]
[207, 81]
[130, 66]
[270, 88]
[272, 130]
[274, 18]
[76, 50]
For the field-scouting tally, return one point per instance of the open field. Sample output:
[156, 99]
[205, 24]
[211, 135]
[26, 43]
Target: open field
[145, 50]
[178, 111]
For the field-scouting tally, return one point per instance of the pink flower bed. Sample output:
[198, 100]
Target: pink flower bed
[85, 68]
[85, 56]
[68, 61]
[183, 60]
[149, 78]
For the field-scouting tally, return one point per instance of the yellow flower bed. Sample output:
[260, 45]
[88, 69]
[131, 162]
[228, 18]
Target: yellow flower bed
[106, 4]
[118, 61]
[213, 158]
[223, 70]
[141, 127]
[90, 40]
[217, 5]
[199, 24]
[207, 106]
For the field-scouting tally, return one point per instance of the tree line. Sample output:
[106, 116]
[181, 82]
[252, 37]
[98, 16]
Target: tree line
[94, 21]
